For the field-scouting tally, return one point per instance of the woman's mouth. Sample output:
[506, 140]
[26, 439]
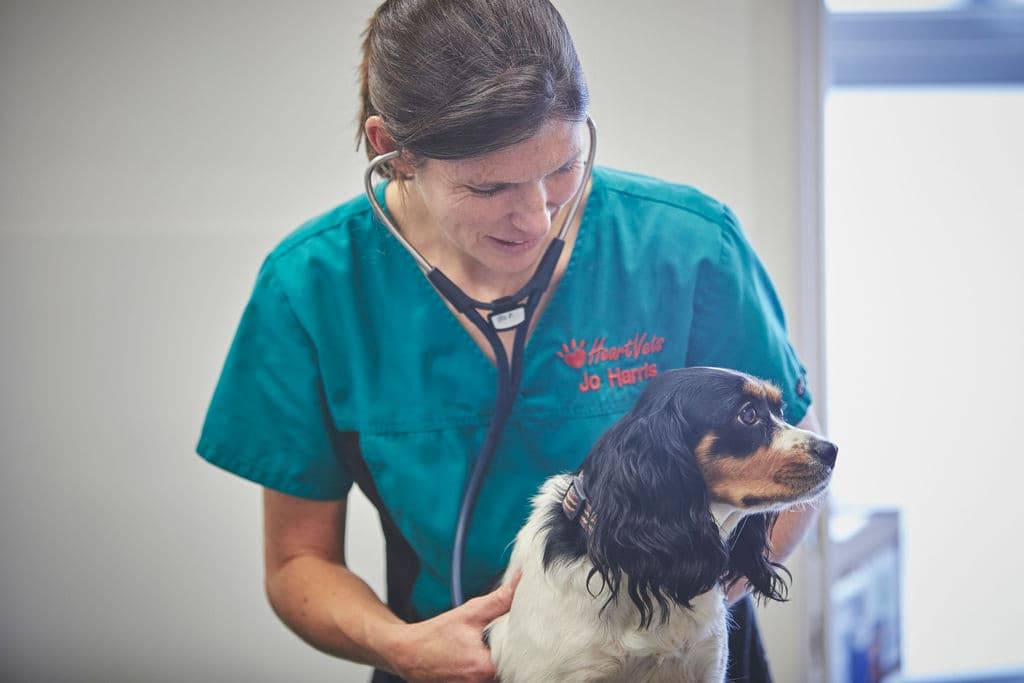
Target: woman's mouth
[514, 246]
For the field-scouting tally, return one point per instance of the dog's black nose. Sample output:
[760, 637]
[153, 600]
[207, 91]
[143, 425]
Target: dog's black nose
[826, 452]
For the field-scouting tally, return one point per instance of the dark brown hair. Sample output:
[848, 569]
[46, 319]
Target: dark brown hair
[454, 79]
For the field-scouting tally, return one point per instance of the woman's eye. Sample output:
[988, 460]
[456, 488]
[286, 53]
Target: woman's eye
[748, 415]
[485, 193]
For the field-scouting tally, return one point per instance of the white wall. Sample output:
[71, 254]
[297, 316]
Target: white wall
[152, 154]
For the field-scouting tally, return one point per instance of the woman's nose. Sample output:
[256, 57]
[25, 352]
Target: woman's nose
[532, 215]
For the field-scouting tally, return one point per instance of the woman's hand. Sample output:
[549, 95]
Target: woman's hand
[450, 647]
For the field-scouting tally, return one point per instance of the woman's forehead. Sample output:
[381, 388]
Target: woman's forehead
[555, 144]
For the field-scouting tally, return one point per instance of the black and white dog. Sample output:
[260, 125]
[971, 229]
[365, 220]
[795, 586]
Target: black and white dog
[626, 563]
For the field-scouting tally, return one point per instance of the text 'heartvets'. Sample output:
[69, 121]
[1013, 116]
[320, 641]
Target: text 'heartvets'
[576, 356]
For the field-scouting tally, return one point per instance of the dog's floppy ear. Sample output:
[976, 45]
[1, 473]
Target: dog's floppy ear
[749, 545]
[653, 528]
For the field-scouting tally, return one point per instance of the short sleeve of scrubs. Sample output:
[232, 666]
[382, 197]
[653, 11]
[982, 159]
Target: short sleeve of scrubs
[268, 420]
[738, 321]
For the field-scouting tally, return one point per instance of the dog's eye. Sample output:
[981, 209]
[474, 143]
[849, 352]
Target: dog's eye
[748, 415]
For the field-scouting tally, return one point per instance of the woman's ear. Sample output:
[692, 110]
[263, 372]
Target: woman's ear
[749, 546]
[378, 135]
[383, 143]
[653, 527]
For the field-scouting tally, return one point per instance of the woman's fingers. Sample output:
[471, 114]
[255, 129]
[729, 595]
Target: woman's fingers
[489, 607]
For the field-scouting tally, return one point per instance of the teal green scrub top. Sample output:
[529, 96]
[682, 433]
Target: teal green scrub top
[348, 367]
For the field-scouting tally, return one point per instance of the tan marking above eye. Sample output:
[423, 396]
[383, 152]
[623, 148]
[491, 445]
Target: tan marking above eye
[763, 389]
[753, 389]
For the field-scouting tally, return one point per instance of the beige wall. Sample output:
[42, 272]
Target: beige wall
[152, 154]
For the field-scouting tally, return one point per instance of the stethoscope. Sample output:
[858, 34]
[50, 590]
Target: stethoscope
[506, 313]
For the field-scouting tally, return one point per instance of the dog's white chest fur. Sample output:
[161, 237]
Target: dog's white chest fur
[554, 631]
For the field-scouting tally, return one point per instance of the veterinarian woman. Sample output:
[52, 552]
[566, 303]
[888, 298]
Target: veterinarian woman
[348, 366]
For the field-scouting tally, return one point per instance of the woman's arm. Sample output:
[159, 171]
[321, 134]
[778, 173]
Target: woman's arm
[791, 525]
[309, 587]
[335, 611]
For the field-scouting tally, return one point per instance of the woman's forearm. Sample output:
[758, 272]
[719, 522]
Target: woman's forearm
[334, 610]
[787, 533]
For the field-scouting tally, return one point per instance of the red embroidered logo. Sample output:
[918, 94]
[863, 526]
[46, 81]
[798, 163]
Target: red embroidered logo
[576, 355]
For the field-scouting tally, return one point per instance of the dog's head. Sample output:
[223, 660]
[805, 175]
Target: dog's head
[696, 437]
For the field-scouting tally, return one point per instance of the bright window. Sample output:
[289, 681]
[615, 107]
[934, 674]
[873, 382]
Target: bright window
[925, 298]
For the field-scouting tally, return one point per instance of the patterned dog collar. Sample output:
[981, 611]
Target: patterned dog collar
[576, 505]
